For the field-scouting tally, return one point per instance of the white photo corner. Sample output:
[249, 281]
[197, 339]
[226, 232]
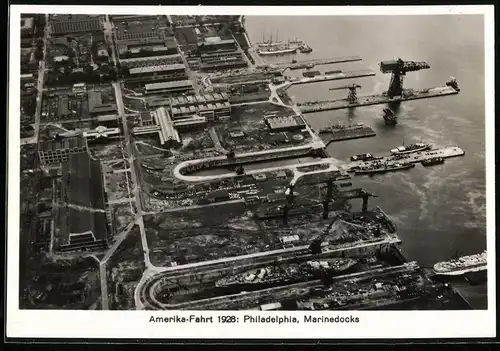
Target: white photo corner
[251, 172]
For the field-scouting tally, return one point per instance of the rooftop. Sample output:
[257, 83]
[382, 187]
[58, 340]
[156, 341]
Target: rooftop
[76, 25]
[168, 85]
[67, 143]
[82, 188]
[158, 68]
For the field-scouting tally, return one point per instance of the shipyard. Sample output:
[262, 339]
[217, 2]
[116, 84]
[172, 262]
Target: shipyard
[176, 162]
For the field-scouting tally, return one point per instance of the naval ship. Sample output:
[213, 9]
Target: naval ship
[462, 265]
[382, 167]
[287, 273]
[403, 150]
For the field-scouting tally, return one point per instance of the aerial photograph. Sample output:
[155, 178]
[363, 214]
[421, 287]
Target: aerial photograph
[264, 163]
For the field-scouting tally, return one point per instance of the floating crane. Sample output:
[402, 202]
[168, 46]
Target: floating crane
[352, 97]
[398, 68]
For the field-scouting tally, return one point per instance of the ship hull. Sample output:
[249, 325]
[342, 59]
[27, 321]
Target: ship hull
[278, 52]
[423, 148]
[383, 170]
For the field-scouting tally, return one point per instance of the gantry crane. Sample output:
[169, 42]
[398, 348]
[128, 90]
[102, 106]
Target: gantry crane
[352, 97]
[346, 195]
[398, 69]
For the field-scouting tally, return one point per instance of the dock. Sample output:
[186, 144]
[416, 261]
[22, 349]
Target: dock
[336, 76]
[356, 132]
[316, 62]
[317, 106]
[446, 152]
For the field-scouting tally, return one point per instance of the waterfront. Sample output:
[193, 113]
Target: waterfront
[440, 211]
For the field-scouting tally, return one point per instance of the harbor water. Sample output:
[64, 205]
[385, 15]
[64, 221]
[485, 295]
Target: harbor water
[439, 210]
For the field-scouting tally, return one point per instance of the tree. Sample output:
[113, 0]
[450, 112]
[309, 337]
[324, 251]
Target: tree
[89, 70]
[38, 54]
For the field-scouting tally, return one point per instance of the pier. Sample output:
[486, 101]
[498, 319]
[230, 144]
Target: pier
[317, 106]
[324, 78]
[315, 62]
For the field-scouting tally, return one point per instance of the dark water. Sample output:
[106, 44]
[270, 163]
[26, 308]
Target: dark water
[439, 210]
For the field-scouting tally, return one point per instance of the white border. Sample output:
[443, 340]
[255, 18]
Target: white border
[134, 324]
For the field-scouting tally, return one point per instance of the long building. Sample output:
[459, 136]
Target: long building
[176, 86]
[60, 150]
[151, 60]
[159, 69]
[96, 105]
[211, 106]
[72, 24]
[81, 216]
[163, 125]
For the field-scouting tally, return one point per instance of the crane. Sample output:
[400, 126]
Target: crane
[315, 246]
[398, 68]
[352, 97]
[347, 195]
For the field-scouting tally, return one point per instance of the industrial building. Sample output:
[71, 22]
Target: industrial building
[222, 61]
[164, 126]
[287, 123]
[81, 217]
[60, 150]
[160, 69]
[71, 24]
[101, 134]
[176, 86]
[97, 107]
[210, 44]
[150, 60]
[145, 44]
[212, 106]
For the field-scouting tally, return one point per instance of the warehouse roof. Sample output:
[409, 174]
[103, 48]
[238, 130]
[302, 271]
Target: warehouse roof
[82, 187]
[158, 68]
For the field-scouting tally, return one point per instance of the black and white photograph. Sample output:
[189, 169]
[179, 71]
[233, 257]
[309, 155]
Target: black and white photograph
[235, 165]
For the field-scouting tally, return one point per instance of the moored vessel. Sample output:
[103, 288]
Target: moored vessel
[462, 265]
[402, 150]
[433, 161]
[383, 167]
[277, 50]
[364, 157]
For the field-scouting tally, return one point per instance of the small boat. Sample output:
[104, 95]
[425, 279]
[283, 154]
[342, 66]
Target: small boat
[305, 49]
[390, 118]
[362, 157]
[433, 161]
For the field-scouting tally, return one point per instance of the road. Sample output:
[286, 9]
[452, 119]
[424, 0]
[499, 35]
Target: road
[108, 33]
[215, 139]
[108, 30]
[39, 97]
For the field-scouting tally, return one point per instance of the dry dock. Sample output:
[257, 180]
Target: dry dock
[317, 106]
[446, 152]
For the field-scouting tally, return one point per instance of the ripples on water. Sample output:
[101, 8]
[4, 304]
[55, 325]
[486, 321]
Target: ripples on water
[439, 210]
